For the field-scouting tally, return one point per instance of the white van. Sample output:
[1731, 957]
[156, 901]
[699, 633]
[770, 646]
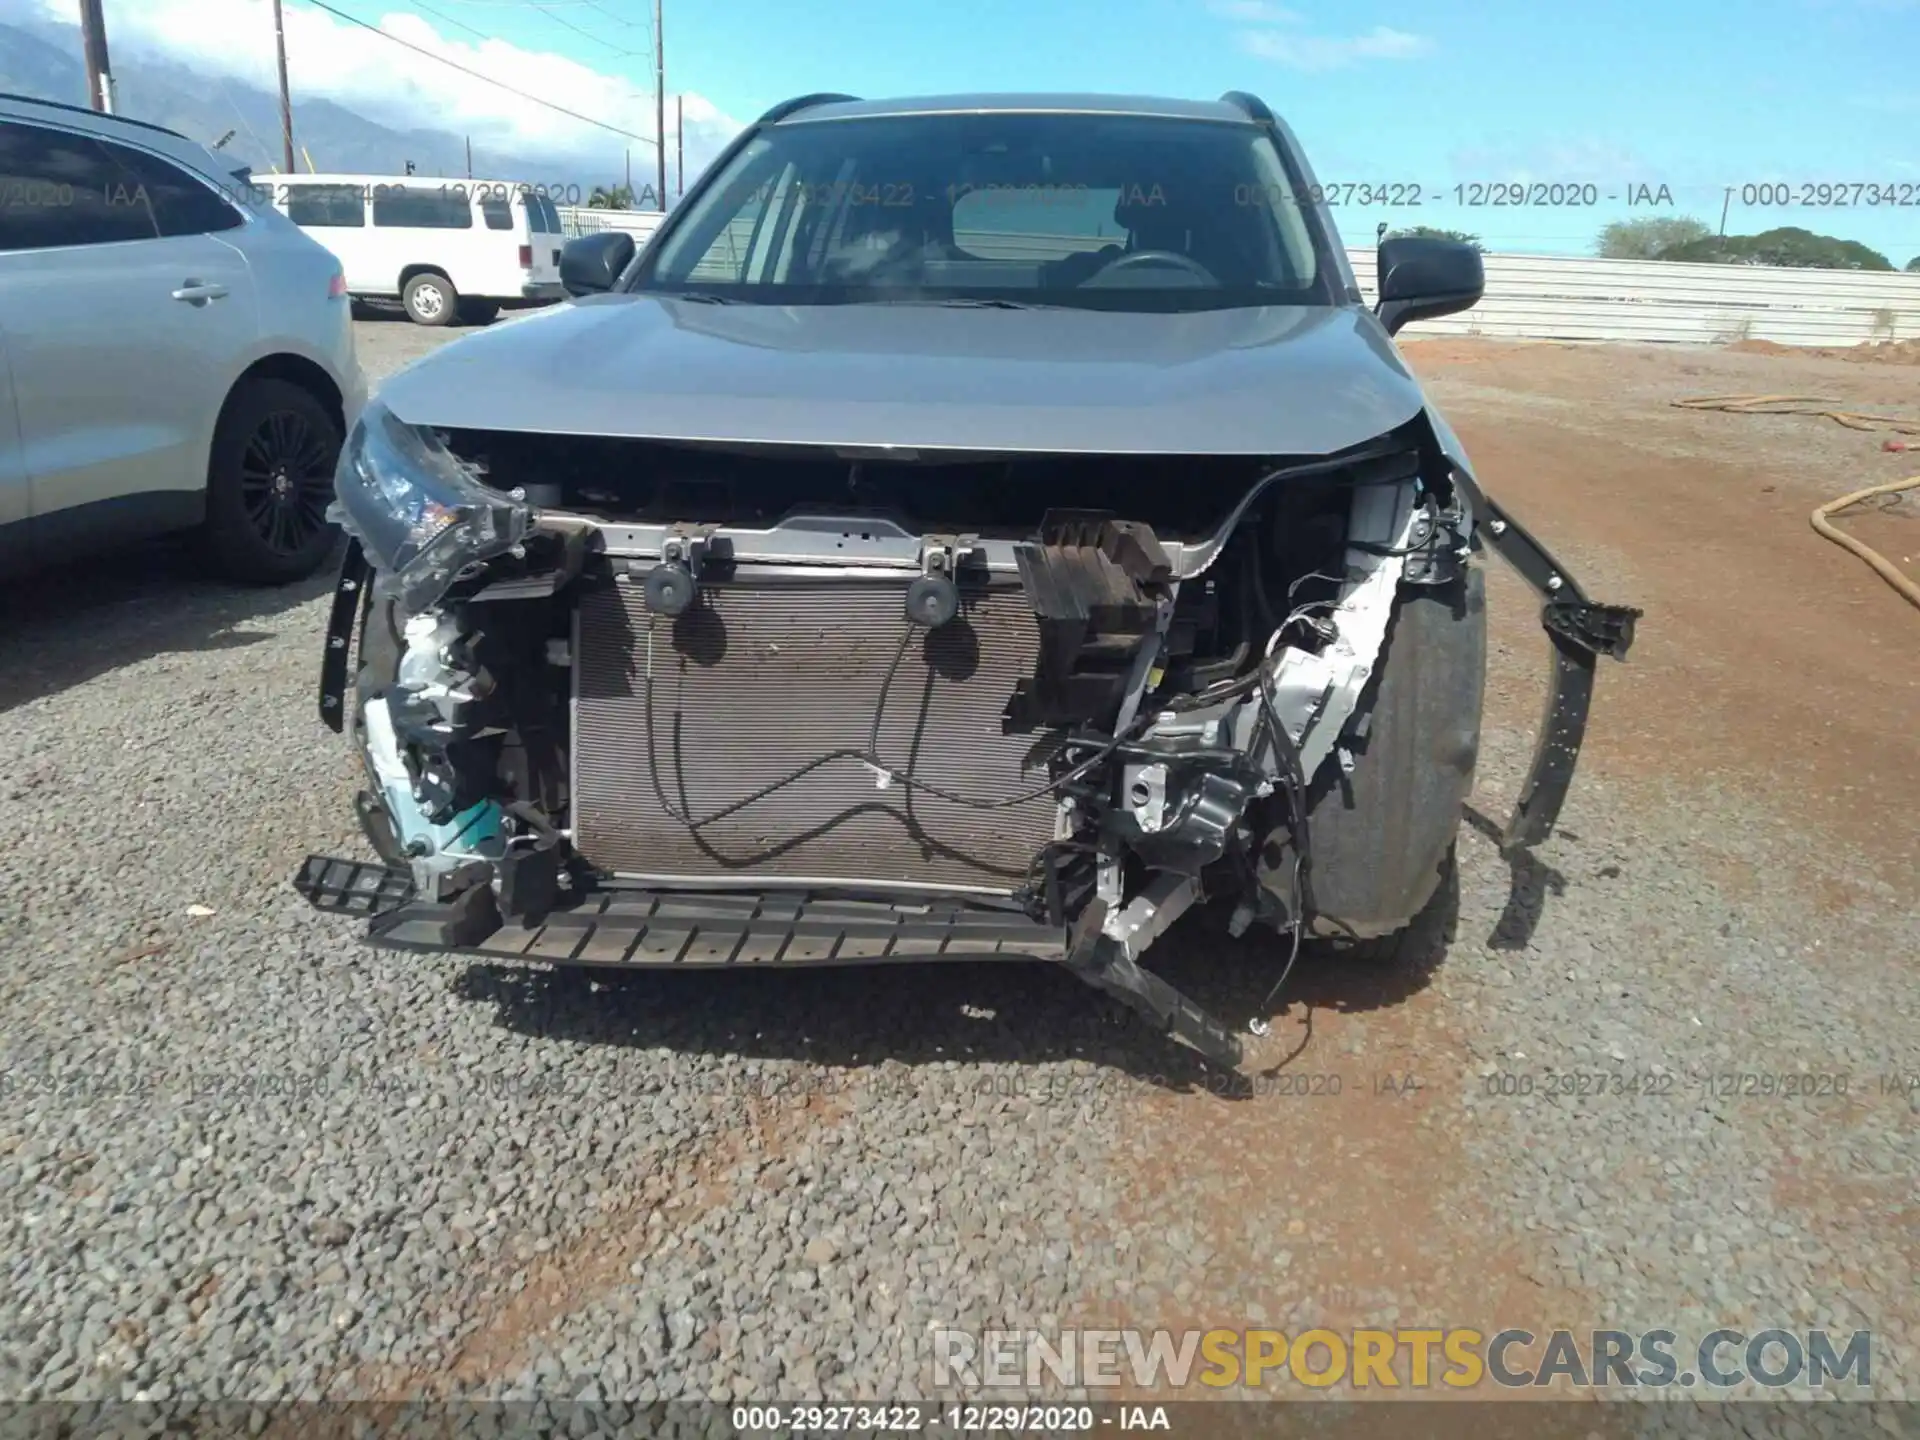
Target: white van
[446, 249]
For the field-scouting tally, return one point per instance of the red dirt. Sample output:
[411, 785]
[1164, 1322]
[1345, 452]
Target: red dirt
[1768, 657]
[1875, 352]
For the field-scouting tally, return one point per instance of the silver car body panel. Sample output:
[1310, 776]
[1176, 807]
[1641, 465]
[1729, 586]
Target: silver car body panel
[119, 381]
[922, 376]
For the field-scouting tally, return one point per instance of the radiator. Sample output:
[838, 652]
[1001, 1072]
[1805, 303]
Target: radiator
[762, 677]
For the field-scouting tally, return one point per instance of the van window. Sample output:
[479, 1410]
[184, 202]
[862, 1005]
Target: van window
[542, 215]
[497, 211]
[326, 205]
[421, 208]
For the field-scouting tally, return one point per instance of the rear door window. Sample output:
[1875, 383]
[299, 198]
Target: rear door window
[61, 189]
[328, 206]
[179, 203]
[422, 207]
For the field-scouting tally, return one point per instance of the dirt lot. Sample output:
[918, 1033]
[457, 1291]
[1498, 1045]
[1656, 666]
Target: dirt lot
[1581, 1106]
[1750, 784]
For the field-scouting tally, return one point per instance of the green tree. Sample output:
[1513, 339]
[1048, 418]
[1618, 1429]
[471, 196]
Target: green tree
[610, 197]
[1432, 232]
[1648, 239]
[1914, 265]
[1787, 245]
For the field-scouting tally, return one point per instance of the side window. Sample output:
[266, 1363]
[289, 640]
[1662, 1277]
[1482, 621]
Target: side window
[60, 189]
[335, 206]
[739, 251]
[179, 204]
[416, 207]
[497, 211]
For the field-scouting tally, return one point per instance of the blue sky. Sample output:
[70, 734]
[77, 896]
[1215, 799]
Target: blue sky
[1430, 93]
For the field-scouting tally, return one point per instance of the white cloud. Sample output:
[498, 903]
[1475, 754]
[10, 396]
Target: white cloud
[332, 59]
[1330, 52]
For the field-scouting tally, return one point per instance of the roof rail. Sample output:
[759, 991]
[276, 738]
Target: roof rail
[87, 110]
[1252, 104]
[803, 102]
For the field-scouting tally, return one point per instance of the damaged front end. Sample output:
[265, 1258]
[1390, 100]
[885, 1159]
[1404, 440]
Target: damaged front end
[641, 703]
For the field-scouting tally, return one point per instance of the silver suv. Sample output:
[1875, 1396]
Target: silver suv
[173, 355]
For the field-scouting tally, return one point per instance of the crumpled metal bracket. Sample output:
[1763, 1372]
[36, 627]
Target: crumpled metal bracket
[349, 597]
[1581, 630]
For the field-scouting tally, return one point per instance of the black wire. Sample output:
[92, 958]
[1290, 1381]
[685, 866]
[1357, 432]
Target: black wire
[869, 758]
[1299, 924]
[1289, 754]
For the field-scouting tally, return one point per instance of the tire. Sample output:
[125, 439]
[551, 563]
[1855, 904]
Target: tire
[430, 299]
[1416, 944]
[269, 482]
[479, 312]
[1383, 834]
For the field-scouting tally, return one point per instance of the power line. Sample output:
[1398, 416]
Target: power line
[562, 20]
[448, 19]
[617, 19]
[475, 74]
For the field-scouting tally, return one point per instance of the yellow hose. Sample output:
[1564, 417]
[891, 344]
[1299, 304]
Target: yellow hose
[1807, 405]
[1894, 577]
[1799, 405]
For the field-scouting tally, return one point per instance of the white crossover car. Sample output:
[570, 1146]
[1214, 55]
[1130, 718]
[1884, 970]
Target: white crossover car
[174, 355]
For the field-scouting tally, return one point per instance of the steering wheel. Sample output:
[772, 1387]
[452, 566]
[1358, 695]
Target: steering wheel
[1136, 259]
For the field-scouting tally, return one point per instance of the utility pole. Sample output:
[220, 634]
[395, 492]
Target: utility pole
[679, 146]
[469, 157]
[93, 42]
[1723, 212]
[660, 105]
[286, 104]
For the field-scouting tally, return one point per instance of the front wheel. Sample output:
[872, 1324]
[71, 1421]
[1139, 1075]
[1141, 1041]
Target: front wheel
[430, 299]
[269, 482]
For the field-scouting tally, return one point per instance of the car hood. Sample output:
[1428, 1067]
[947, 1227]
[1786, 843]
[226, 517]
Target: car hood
[1270, 381]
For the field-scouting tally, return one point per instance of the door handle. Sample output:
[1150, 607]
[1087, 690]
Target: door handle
[198, 292]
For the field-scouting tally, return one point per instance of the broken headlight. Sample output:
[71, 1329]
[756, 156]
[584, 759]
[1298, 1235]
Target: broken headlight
[420, 513]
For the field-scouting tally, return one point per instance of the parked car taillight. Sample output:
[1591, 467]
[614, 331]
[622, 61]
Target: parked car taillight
[337, 286]
[526, 257]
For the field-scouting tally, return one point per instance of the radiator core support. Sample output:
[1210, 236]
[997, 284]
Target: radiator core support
[759, 679]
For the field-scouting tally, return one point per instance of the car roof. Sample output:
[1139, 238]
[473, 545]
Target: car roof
[182, 150]
[71, 114]
[1034, 103]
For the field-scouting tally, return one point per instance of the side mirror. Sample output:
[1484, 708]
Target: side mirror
[1422, 278]
[590, 264]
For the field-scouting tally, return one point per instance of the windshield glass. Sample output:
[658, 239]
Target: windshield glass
[1099, 211]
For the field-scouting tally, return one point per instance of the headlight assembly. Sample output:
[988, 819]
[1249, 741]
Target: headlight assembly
[417, 510]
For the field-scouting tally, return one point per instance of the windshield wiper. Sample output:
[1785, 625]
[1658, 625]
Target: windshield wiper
[971, 302]
[701, 297]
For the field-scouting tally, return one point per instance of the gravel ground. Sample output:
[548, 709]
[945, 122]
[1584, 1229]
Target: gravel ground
[241, 1155]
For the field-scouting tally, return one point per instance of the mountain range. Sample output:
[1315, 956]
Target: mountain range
[42, 58]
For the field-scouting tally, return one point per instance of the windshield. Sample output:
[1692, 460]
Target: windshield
[1097, 211]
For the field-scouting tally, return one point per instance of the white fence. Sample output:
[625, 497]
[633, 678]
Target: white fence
[576, 220]
[1552, 297]
[1576, 297]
